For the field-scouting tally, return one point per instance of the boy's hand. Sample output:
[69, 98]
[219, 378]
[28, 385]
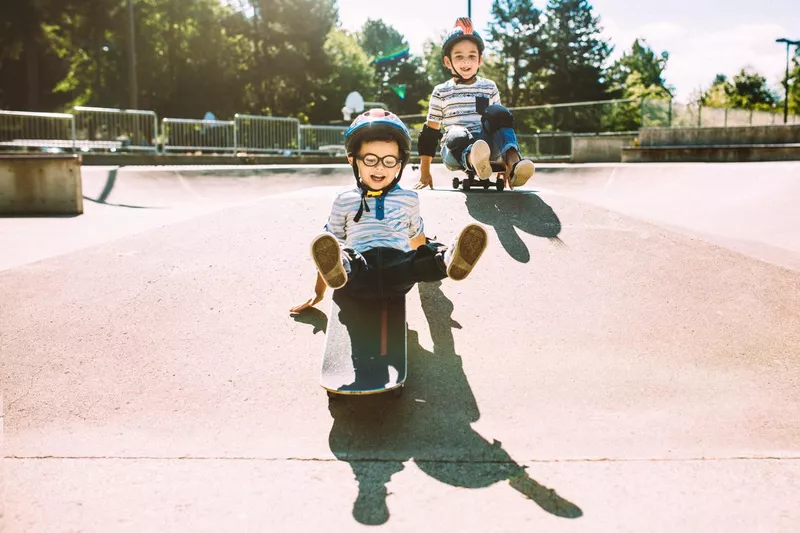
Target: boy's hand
[308, 304]
[319, 294]
[425, 179]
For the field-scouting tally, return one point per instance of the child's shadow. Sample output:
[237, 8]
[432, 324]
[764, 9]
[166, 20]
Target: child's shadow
[431, 424]
[507, 211]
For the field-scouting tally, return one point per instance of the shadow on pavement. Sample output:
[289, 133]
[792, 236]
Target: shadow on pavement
[510, 211]
[111, 180]
[431, 424]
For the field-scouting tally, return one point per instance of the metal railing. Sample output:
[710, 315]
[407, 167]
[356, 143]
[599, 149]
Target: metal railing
[182, 134]
[669, 114]
[255, 133]
[322, 139]
[103, 128]
[545, 130]
[24, 130]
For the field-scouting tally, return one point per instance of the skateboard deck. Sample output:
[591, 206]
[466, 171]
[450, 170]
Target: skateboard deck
[473, 181]
[365, 346]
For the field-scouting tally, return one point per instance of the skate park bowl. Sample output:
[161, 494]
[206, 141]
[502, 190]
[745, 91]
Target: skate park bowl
[624, 357]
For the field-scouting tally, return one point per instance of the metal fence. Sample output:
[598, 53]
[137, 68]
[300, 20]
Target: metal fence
[188, 135]
[116, 129]
[21, 130]
[545, 130]
[669, 114]
[254, 133]
[329, 139]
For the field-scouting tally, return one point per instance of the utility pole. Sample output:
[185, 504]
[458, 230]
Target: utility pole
[469, 8]
[134, 90]
[786, 80]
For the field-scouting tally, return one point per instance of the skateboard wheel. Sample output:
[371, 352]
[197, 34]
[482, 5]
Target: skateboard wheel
[467, 184]
[486, 185]
[456, 183]
[398, 391]
[331, 395]
[500, 184]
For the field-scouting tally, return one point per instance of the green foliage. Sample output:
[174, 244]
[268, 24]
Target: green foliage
[519, 46]
[747, 90]
[291, 58]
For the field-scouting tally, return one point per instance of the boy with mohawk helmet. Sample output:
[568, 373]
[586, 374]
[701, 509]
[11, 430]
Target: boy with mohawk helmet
[465, 118]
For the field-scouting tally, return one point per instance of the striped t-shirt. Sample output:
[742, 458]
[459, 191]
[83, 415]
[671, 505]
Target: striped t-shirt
[401, 220]
[454, 103]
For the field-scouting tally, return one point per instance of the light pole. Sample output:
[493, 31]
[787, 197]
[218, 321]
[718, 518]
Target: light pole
[786, 80]
[134, 101]
[469, 8]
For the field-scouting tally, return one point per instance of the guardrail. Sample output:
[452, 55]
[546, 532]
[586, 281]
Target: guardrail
[257, 133]
[183, 134]
[44, 131]
[328, 139]
[131, 130]
[545, 130]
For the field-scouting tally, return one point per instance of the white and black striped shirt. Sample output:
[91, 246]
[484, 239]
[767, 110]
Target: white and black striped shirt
[454, 103]
[401, 220]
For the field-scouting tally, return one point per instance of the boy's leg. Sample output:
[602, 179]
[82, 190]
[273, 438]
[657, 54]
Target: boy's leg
[434, 261]
[328, 258]
[465, 251]
[498, 124]
[463, 151]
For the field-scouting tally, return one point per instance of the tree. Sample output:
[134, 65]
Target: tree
[748, 90]
[576, 55]
[401, 80]
[575, 61]
[29, 67]
[794, 87]
[353, 71]
[432, 56]
[649, 69]
[515, 35]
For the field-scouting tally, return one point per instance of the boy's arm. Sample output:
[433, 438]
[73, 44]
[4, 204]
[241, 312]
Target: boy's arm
[416, 227]
[430, 136]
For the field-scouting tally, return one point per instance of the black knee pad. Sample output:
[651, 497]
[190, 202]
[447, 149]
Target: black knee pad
[457, 140]
[496, 117]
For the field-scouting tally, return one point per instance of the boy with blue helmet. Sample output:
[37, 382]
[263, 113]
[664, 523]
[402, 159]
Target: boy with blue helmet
[465, 118]
[374, 243]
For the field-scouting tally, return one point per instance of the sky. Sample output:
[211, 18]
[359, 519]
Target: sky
[703, 37]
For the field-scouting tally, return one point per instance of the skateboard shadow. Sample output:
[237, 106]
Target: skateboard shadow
[431, 424]
[509, 211]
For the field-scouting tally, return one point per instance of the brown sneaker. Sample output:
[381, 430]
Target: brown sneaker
[480, 158]
[327, 256]
[521, 172]
[465, 252]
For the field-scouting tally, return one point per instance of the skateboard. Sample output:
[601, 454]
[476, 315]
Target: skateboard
[472, 181]
[365, 346]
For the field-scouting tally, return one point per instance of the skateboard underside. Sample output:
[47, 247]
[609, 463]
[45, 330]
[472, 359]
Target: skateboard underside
[365, 346]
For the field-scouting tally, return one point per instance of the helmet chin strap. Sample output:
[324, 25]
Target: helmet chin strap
[458, 75]
[367, 191]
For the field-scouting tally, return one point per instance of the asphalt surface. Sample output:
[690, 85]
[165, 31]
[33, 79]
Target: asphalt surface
[625, 357]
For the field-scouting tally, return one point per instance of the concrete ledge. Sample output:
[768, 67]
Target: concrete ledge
[40, 185]
[712, 153]
[777, 134]
[599, 148]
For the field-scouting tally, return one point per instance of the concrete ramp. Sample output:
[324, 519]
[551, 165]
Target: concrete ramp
[751, 208]
[605, 368]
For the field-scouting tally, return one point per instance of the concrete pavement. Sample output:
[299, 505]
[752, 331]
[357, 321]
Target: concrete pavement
[625, 358]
